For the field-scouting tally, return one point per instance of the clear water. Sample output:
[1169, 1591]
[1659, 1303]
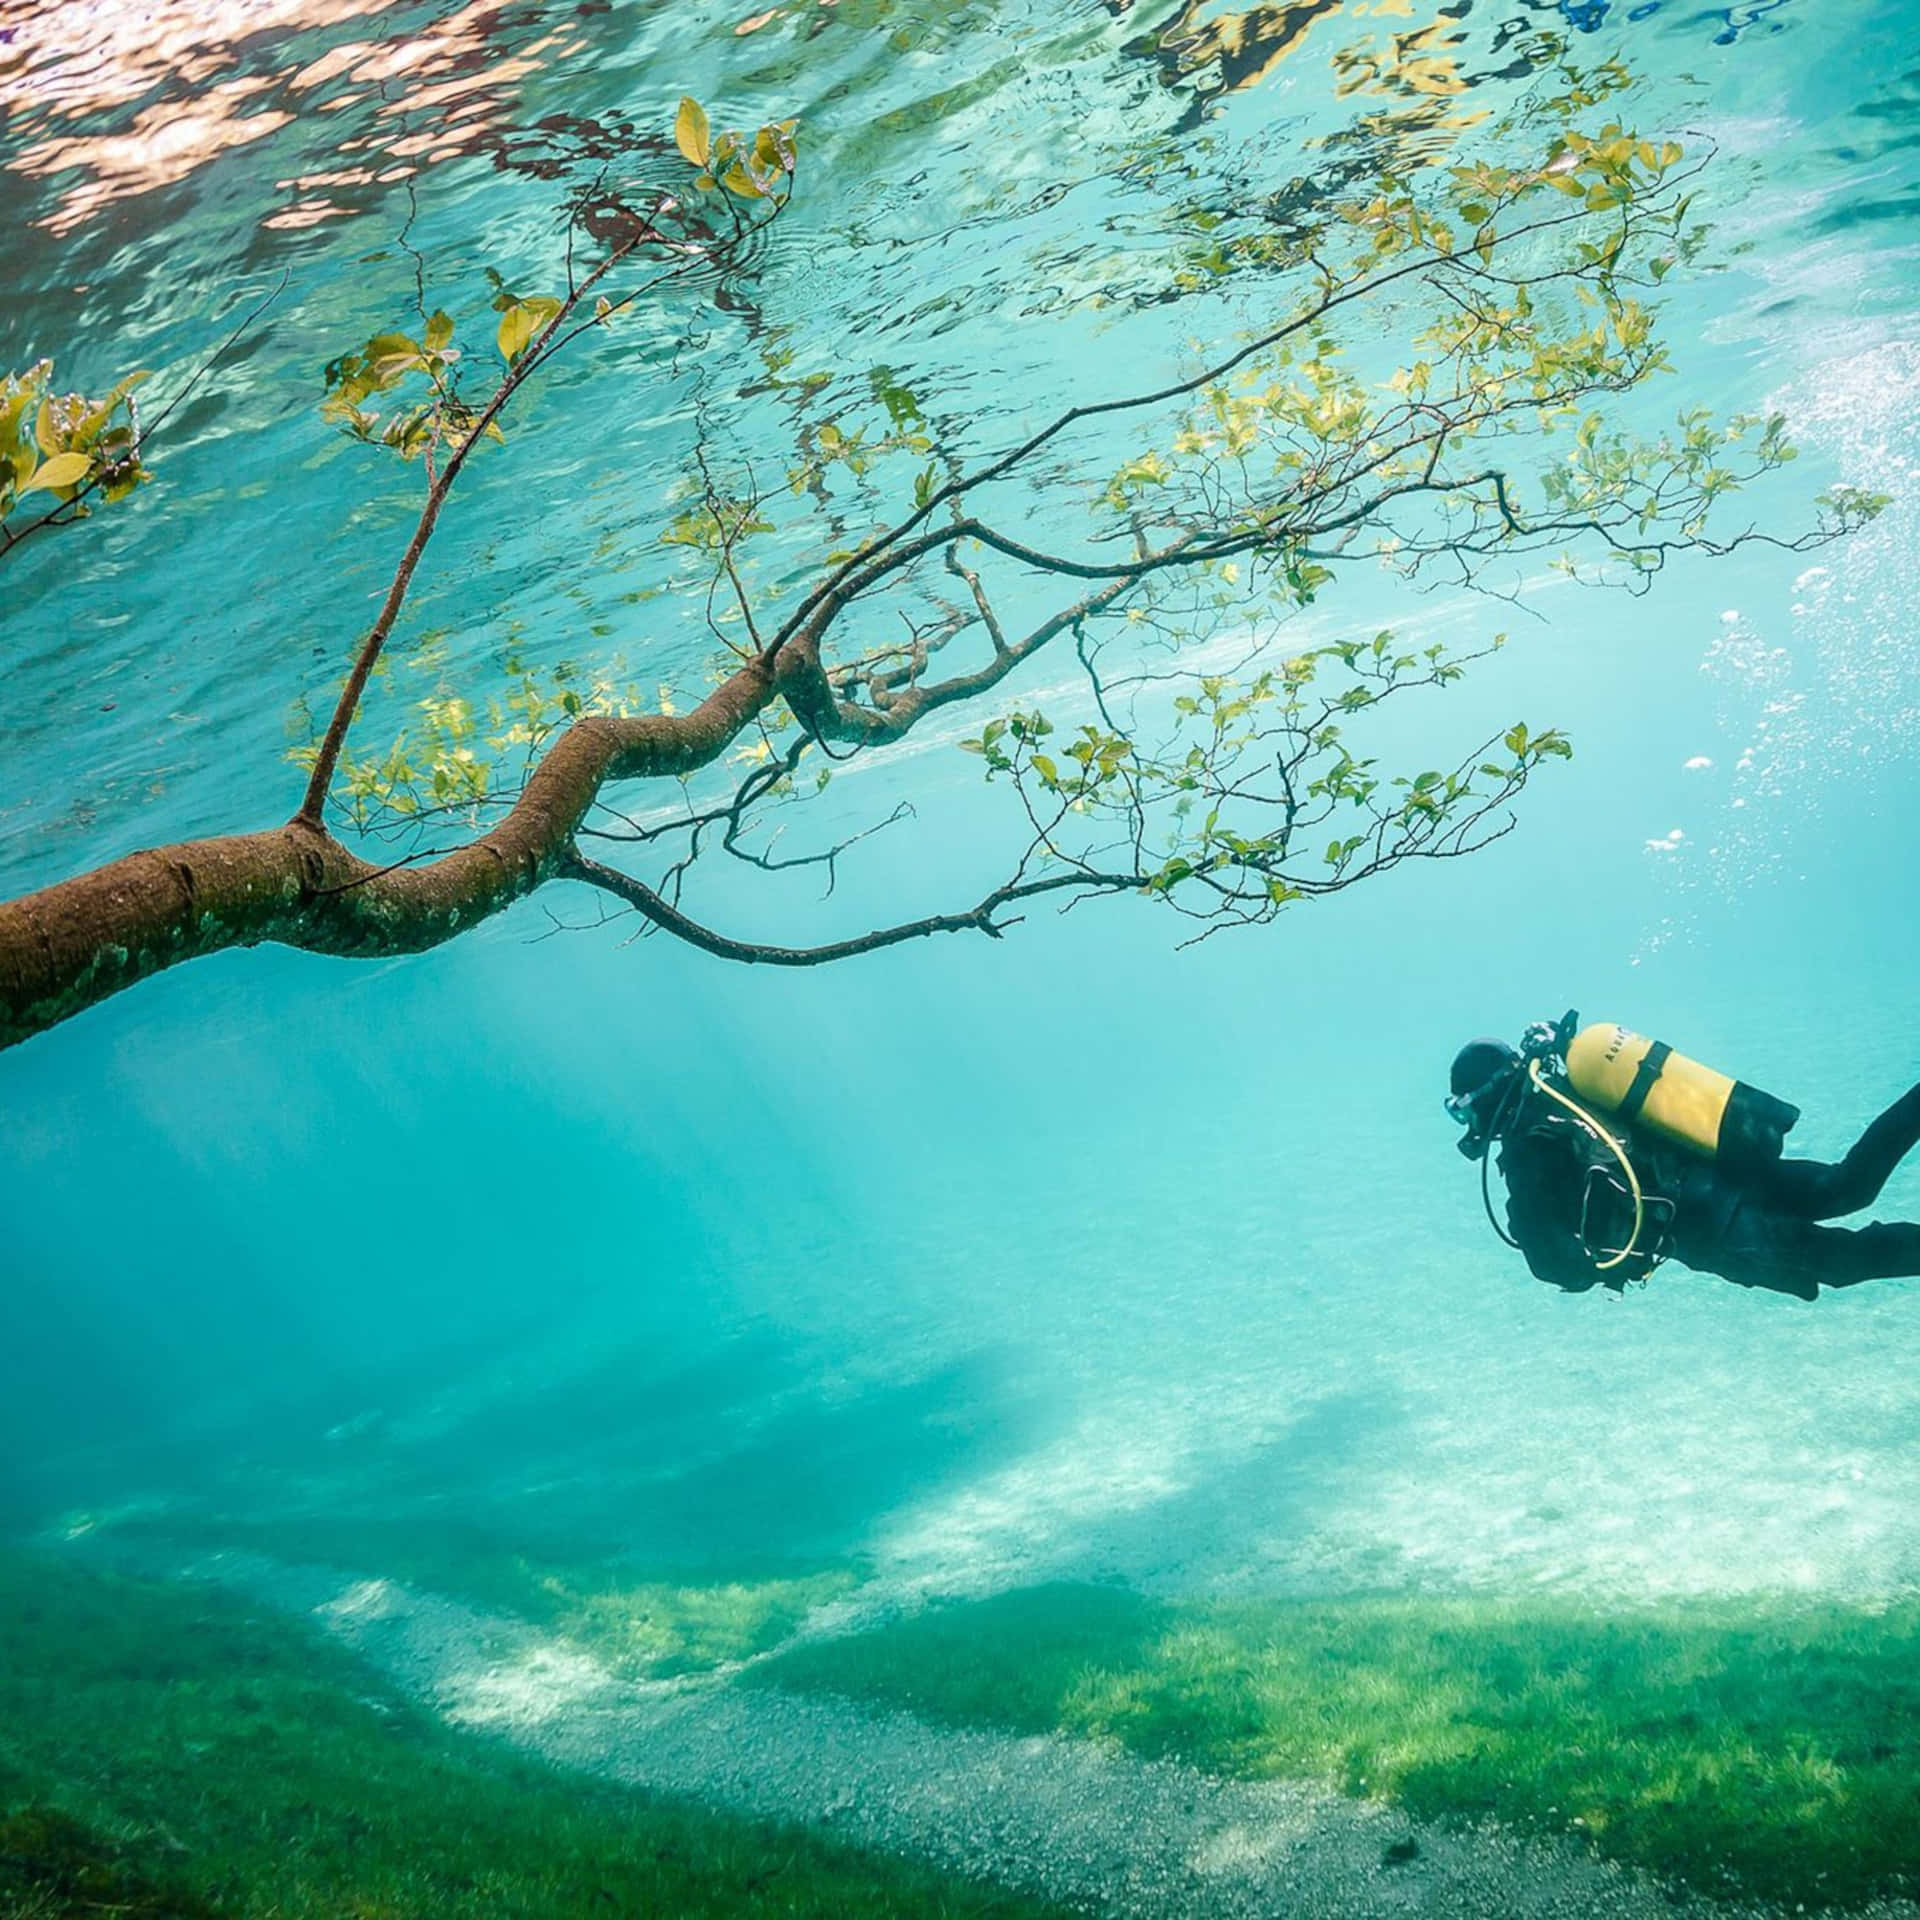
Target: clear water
[968, 1267]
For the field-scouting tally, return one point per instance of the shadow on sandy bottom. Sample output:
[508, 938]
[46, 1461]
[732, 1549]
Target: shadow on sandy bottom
[1263, 1504]
[757, 1460]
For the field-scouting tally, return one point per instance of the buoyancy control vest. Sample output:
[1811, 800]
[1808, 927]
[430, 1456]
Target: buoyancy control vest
[1624, 1222]
[1645, 1083]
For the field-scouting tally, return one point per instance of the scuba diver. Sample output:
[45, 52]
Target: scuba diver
[1620, 1154]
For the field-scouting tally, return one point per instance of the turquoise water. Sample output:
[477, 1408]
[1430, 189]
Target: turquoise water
[965, 1267]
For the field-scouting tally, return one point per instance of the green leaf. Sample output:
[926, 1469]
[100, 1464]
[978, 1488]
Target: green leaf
[103, 409]
[901, 403]
[516, 331]
[521, 320]
[691, 133]
[63, 470]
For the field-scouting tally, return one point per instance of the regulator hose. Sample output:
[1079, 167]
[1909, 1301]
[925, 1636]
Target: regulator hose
[1494, 1125]
[1600, 1133]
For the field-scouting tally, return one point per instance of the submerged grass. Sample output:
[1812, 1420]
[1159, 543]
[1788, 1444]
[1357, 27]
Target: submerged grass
[165, 1752]
[1772, 1753]
[655, 1628]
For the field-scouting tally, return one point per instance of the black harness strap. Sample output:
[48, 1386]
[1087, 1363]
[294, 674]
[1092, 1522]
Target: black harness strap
[1654, 1059]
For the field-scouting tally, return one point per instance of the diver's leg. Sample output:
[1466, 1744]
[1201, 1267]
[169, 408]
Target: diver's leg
[1795, 1256]
[1819, 1190]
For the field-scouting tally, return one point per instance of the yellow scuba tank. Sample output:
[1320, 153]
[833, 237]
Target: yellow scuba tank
[1647, 1084]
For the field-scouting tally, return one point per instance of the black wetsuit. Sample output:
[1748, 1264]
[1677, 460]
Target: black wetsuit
[1759, 1228]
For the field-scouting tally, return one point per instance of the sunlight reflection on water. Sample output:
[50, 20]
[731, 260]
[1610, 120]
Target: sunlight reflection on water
[194, 82]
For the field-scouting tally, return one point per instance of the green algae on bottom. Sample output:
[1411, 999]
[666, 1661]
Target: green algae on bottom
[657, 1629]
[167, 1751]
[669, 1623]
[52, 1867]
[1767, 1750]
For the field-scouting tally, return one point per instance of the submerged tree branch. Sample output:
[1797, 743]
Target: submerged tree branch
[326, 761]
[1225, 819]
[663, 914]
[72, 945]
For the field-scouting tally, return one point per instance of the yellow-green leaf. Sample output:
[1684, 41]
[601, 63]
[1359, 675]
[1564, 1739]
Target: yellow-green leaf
[690, 132]
[521, 320]
[63, 470]
[767, 155]
[517, 327]
[103, 408]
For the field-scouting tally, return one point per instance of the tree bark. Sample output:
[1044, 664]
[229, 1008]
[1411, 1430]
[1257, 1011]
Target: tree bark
[72, 945]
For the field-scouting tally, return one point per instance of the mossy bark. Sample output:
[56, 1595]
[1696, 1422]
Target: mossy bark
[72, 945]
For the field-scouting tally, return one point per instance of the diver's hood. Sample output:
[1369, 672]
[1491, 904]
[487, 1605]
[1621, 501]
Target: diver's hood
[1478, 1064]
[1482, 1081]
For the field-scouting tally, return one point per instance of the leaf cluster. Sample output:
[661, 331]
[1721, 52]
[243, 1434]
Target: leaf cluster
[1243, 776]
[400, 364]
[756, 165]
[448, 757]
[65, 445]
[1537, 313]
